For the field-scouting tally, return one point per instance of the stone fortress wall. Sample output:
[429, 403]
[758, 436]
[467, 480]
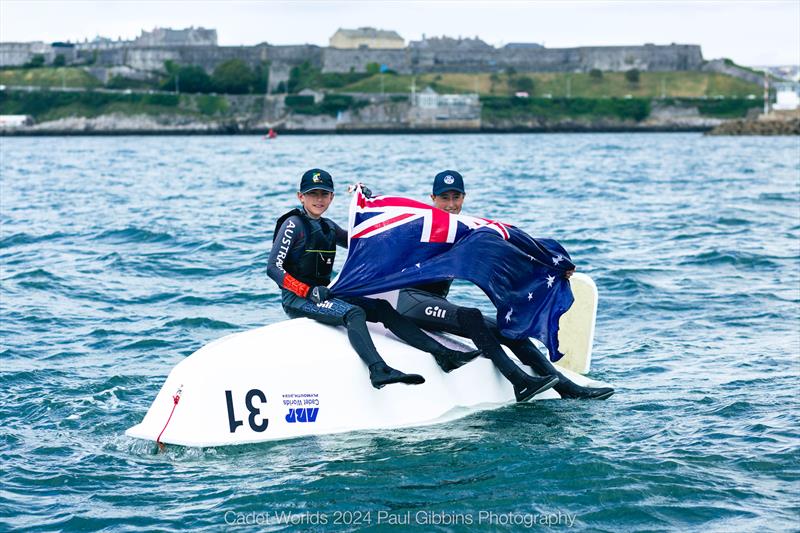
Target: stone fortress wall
[197, 46]
[413, 61]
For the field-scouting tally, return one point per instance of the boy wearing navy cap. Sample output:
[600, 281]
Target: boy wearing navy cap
[448, 195]
[301, 263]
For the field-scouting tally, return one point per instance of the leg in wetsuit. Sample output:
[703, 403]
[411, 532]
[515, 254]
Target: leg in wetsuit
[337, 312]
[433, 312]
[529, 354]
[378, 310]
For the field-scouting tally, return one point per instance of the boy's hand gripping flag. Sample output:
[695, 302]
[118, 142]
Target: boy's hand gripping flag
[396, 242]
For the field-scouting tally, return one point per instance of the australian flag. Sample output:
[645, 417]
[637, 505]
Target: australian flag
[397, 242]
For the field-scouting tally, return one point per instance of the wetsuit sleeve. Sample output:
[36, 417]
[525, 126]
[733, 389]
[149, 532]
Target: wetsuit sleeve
[288, 241]
[341, 235]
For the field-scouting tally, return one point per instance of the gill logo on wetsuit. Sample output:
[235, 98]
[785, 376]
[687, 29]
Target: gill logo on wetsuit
[435, 312]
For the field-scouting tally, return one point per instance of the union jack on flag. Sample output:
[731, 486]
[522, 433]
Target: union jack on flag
[396, 242]
[384, 213]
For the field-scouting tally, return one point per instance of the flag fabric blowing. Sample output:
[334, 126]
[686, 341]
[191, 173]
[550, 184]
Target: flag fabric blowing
[396, 242]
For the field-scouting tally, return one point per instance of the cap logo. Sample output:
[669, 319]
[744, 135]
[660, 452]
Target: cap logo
[449, 179]
[315, 178]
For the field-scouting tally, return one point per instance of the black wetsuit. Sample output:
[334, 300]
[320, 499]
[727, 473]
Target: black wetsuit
[302, 257]
[428, 307]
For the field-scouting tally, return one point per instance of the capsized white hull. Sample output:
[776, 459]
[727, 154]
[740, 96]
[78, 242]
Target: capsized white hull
[299, 377]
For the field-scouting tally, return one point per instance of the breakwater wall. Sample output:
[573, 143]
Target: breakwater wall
[775, 123]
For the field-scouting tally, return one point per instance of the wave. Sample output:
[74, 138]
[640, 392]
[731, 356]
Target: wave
[133, 235]
[777, 197]
[733, 221]
[726, 257]
[200, 322]
[147, 344]
[19, 239]
[38, 274]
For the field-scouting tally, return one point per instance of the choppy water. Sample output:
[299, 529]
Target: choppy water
[120, 256]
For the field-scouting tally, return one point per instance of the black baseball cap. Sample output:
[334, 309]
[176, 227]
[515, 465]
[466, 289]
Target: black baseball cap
[316, 178]
[448, 180]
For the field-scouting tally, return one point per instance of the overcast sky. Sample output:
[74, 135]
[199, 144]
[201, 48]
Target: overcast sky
[765, 32]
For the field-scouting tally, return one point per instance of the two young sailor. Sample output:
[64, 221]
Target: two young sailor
[301, 262]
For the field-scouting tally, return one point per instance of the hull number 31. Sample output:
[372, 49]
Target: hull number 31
[255, 412]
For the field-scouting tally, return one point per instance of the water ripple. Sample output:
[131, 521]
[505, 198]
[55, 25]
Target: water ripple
[118, 259]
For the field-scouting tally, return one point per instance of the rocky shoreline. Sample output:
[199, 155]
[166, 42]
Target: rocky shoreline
[774, 124]
[383, 117]
[115, 124]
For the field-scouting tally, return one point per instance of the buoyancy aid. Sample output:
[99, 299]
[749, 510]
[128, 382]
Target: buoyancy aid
[314, 265]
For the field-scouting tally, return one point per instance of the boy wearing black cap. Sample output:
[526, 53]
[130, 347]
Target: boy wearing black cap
[301, 263]
[448, 195]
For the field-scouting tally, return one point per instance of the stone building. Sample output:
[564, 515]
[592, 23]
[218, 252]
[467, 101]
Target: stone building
[186, 37]
[366, 38]
[523, 46]
[449, 44]
[432, 110]
[17, 54]
[102, 43]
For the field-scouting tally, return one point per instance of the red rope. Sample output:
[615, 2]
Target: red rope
[175, 400]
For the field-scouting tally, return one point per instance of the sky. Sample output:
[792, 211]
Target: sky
[755, 33]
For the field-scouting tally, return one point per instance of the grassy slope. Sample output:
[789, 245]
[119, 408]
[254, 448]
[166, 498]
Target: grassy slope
[52, 105]
[613, 84]
[48, 77]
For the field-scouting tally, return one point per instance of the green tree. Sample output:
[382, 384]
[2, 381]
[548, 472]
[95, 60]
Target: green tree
[186, 79]
[36, 61]
[233, 77]
[632, 76]
[303, 76]
[170, 67]
[59, 61]
[373, 68]
[261, 74]
[596, 74]
[494, 79]
[524, 84]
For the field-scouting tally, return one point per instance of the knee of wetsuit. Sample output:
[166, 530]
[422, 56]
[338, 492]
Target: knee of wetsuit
[383, 306]
[469, 317]
[384, 312]
[355, 315]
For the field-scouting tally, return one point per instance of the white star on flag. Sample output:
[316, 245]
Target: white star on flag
[550, 281]
[530, 296]
[417, 265]
[557, 259]
[508, 315]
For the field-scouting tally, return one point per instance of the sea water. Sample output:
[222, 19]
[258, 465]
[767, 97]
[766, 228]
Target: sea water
[120, 256]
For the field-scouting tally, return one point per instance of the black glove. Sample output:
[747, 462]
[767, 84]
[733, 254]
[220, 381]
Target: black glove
[319, 294]
[366, 191]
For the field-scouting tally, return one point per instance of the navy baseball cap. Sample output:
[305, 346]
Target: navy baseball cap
[448, 180]
[316, 178]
